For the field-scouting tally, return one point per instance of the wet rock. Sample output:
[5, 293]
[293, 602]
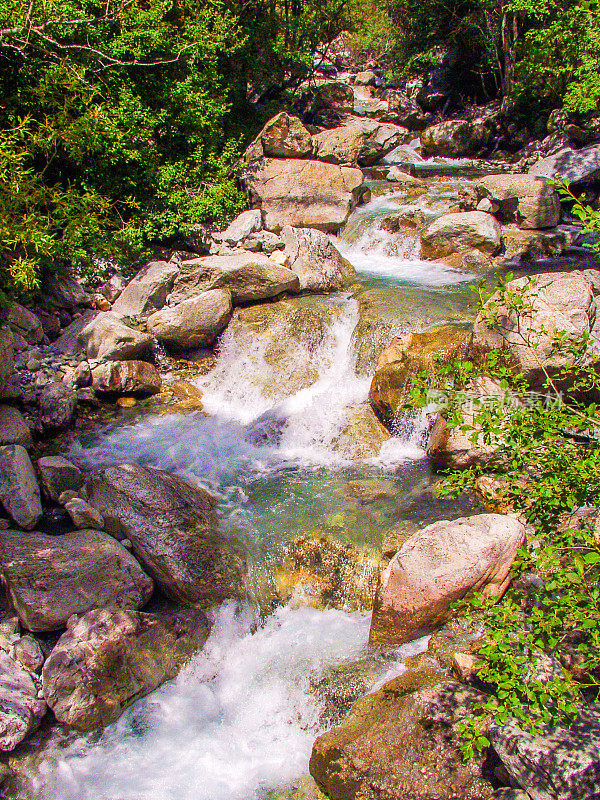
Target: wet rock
[13, 428]
[363, 435]
[561, 764]
[248, 276]
[25, 323]
[147, 291]
[529, 201]
[19, 490]
[245, 224]
[574, 166]
[406, 357]
[108, 339]
[315, 260]
[444, 562]
[126, 377]
[194, 322]
[172, 527]
[454, 138]
[467, 230]
[20, 708]
[267, 429]
[303, 193]
[402, 743]
[29, 654]
[57, 475]
[49, 578]
[108, 658]
[83, 515]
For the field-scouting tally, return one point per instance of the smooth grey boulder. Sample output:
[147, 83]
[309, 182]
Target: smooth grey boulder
[58, 474]
[563, 764]
[575, 166]
[172, 527]
[25, 323]
[19, 490]
[68, 342]
[49, 578]
[246, 223]
[194, 322]
[314, 258]
[147, 291]
[108, 658]
[20, 707]
[248, 276]
[107, 338]
[13, 428]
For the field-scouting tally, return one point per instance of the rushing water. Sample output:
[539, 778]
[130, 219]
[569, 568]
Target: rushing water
[240, 720]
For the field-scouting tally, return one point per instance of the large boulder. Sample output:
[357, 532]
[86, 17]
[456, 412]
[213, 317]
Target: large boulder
[551, 303]
[363, 141]
[285, 137]
[49, 578]
[245, 224]
[303, 193]
[108, 658]
[379, 140]
[172, 527]
[194, 322]
[325, 103]
[108, 339]
[64, 291]
[402, 743]
[55, 406]
[454, 138]
[406, 357]
[575, 166]
[25, 323]
[57, 475]
[248, 276]
[439, 565]
[13, 428]
[147, 291]
[316, 261]
[531, 202]
[20, 707]
[126, 377]
[19, 490]
[464, 230]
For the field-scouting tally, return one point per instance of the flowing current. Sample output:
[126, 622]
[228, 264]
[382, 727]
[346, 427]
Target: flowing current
[287, 409]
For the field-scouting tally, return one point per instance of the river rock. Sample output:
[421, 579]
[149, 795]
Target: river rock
[247, 223]
[108, 339]
[379, 140]
[467, 230]
[194, 322]
[64, 291]
[51, 577]
[285, 136]
[316, 261]
[406, 357]
[108, 658]
[29, 654]
[83, 515]
[303, 193]
[325, 102]
[57, 475]
[248, 276]
[453, 138]
[13, 428]
[147, 291]
[365, 78]
[402, 743]
[6, 356]
[362, 436]
[19, 490]
[126, 377]
[20, 707]
[172, 527]
[25, 323]
[365, 142]
[56, 403]
[531, 202]
[574, 166]
[439, 565]
[532, 245]
[553, 303]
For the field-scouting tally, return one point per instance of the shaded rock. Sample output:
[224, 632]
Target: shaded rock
[303, 193]
[325, 103]
[575, 166]
[467, 230]
[172, 527]
[68, 342]
[315, 260]
[561, 764]
[20, 708]
[19, 490]
[83, 515]
[454, 138]
[406, 357]
[29, 654]
[126, 377]
[402, 743]
[56, 403]
[108, 658]
[64, 291]
[243, 225]
[405, 111]
[108, 339]
[444, 562]
[379, 140]
[147, 291]
[193, 322]
[248, 276]
[13, 428]
[6, 356]
[25, 323]
[49, 578]
[57, 475]
[529, 201]
[285, 137]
